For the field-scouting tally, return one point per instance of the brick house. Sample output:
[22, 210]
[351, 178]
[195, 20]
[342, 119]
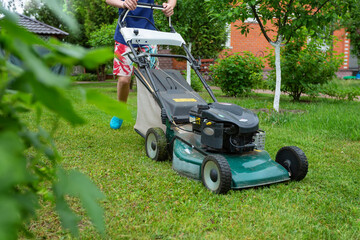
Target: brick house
[256, 43]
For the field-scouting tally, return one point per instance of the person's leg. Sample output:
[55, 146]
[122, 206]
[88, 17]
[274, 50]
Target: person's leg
[123, 88]
[123, 70]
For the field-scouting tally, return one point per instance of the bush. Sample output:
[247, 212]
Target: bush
[85, 77]
[237, 74]
[196, 83]
[103, 37]
[304, 68]
[337, 89]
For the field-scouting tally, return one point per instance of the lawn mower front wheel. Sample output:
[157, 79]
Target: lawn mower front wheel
[156, 144]
[294, 160]
[216, 174]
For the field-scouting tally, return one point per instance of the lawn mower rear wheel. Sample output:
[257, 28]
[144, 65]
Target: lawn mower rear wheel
[156, 144]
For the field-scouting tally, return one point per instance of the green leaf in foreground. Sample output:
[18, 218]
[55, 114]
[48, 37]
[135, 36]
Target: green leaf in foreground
[57, 9]
[108, 105]
[29, 161]
[75, 184]
[54, 99]
[13, 172]
[97, 56]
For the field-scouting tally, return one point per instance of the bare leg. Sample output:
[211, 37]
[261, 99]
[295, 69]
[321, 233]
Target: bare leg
[123, 88]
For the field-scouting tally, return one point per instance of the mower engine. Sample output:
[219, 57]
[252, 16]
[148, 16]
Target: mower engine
[227, 128]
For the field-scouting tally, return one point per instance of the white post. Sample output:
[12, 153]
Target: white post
[277, 47]
[188, 69]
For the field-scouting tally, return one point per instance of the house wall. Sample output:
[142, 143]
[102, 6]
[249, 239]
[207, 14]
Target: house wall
[342, 46]
[253, 42]
[165, 63]
[256, 43]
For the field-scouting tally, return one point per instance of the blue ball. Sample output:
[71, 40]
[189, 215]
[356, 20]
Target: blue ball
[116, 123]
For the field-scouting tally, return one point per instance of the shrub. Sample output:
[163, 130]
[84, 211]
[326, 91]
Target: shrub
[237, 74]
[103, 37]
[337, 89]
[196, 83]
[304, 68]
[86, 77]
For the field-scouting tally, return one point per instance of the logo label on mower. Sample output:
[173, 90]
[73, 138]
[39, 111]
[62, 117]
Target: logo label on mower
[184, 99]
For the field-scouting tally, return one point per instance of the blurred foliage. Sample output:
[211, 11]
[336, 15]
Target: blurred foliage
[93, 14]
[30, 169]
[46, 13]
[85, 77]
[90, 16]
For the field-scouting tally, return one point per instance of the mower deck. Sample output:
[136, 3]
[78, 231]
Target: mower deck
[255, 168]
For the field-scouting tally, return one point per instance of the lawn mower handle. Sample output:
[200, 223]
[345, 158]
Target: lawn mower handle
[151, 6]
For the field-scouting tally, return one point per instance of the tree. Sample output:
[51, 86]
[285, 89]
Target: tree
[192, 20]
[93, 17]
[30, 168]
[305, 67]
[103, 37]
[91, 14]
[41, 12]
[45, 14]
[12, 5]
[284, 18]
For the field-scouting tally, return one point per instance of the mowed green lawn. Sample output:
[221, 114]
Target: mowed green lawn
[148, 200]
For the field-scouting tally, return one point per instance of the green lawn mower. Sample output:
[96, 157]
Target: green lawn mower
[217, 143]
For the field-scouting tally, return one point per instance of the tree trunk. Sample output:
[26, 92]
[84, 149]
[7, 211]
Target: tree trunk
[188, 69]
[101, 74]
[277, 46]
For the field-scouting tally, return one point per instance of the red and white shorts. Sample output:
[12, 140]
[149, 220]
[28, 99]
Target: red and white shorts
[123, 66]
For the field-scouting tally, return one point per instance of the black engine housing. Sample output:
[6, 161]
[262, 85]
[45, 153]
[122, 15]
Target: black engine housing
[225, 127]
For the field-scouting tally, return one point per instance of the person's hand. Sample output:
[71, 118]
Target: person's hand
[130, 4]
[168, 9]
